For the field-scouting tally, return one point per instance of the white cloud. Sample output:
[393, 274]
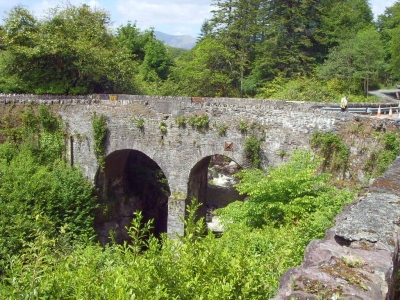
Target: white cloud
[178, 16]
[379, 6]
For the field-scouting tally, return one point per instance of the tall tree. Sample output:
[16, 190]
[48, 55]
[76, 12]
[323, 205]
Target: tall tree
[357, 61]
[205, 71]
[151, 55]
[235, 25]
[17, 37]
[389, 28]
[342, 19]
[288, 43]
[71, 51]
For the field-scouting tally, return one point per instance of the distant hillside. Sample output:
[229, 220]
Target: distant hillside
[177, 41]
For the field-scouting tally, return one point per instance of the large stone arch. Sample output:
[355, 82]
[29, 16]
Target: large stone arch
[130, 181]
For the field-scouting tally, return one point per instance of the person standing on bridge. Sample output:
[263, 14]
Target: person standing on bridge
[343, 103]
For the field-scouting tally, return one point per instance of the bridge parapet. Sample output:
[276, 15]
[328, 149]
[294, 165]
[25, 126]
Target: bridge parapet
[167, 104]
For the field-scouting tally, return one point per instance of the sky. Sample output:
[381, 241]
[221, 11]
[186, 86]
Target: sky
[176, 17]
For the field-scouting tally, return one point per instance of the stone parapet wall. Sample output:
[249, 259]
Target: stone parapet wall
[359, 257]
[169, 102]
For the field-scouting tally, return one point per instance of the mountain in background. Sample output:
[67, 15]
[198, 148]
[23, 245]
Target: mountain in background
[177, 41]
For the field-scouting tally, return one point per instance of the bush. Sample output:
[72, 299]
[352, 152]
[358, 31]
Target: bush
[380, 160]
[252, 148]
[30, 190]
[311, 89]
[200, 122]
[332, 148]
[181, 121]
[163, 127]
[39, 191]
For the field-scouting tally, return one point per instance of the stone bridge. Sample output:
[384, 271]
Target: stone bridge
[178, 156]
[181, 153]
[155, 163]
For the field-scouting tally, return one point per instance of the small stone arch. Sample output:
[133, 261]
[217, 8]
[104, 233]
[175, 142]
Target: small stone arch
[200, 188]
[130, 181]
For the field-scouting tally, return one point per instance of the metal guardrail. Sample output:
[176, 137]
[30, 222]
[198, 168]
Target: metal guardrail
[366, 110]
[371, 110]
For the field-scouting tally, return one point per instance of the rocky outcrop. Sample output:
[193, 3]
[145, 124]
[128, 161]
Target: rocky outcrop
[358, 259]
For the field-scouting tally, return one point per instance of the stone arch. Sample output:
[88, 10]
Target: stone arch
[199, 187]
[130, 181]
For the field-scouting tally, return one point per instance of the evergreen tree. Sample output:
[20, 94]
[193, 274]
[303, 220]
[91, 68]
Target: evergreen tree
[389, 27]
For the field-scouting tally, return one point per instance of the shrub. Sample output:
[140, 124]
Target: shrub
[245, 262]
[332, 148]
[252, 148]
[57, 193]
[200, 122]
[163, 127]
[380, 160]
[222, 130]
[140, 123]
[243, 127]
[181, 121]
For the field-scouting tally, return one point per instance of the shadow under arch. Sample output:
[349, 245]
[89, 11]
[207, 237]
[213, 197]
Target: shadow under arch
[208, 194]
[130, 181]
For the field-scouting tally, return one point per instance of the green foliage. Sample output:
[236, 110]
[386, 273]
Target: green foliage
[163, 127]
[30, 190]
[47, 119]
[199, 122]
[205, 71]
[333, 150]
[29, 120]
[140, 123]
[74, 50]
[252, 147]
[41, 196]
[194, 227]
[243, 127]
[301, 89]
[285, 195]
[139, 233]
[245, 262]
[359, 61]
[222, 130]
[181, 121]
[196, 265]
[100, 130]
[311, 89]
[380, 160]
[282, 153]
[157, 62]
[71, 51]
